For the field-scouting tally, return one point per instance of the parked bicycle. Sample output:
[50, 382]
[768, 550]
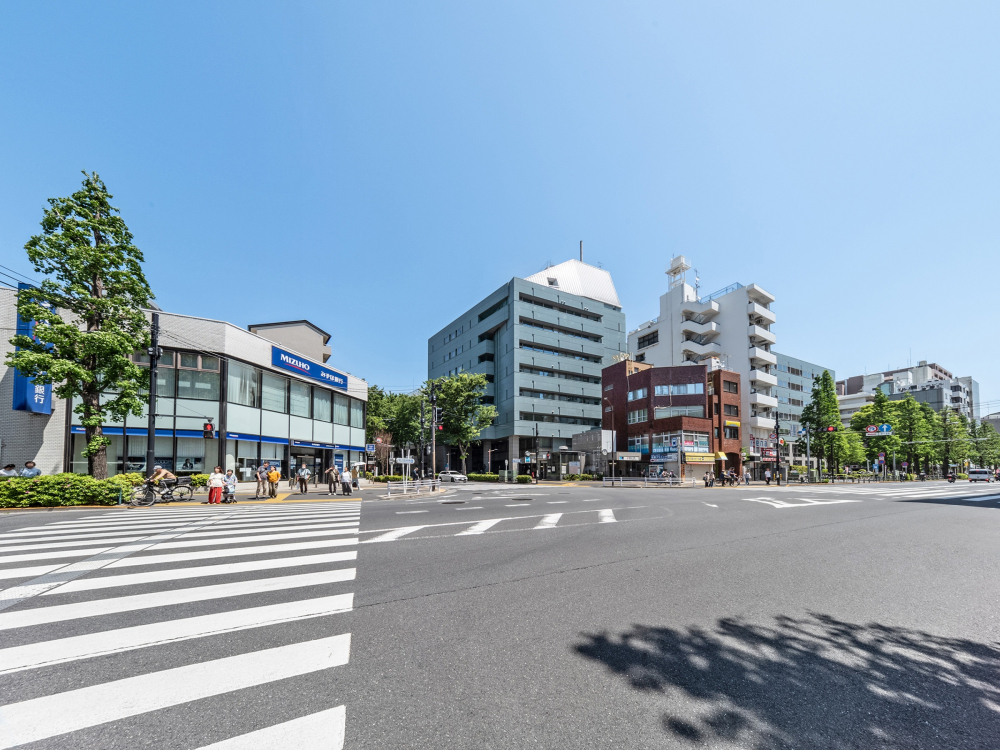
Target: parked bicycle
[166, 492]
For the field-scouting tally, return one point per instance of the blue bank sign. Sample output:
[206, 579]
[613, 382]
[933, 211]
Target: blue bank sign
[298, 365]
[29, 395]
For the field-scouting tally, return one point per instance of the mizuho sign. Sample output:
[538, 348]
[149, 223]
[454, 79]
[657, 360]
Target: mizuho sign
[300, 366]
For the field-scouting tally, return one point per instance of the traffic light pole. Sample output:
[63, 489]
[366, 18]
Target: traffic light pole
[433, 434]
[777, 449]
[423, 424]
[154, 357]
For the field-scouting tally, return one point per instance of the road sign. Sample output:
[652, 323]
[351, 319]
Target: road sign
[905, 464]
[773, 435]
[884, 429]
[881, 457]
[370, 448]
[404, 460]
[802, 431]
[378, 440]
[871, 430]
[781, 441]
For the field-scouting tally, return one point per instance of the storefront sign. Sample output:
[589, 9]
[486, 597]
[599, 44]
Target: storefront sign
[730, 423]
[700, 458]
[301, 366]
[628, 456]
[28, 395]
[664, 457]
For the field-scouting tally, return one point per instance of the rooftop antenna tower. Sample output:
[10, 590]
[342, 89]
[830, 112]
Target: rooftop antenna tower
[581, 251]
[676, 270]
[697, 282]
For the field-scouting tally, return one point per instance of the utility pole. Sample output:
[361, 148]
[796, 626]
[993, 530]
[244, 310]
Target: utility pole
[423, 424]
[777, 450]
[808, 457]
[154, 352]
[433, 432]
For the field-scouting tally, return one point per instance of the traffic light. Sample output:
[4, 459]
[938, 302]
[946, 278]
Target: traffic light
[831, 428]
[208, 430]
[438, 414]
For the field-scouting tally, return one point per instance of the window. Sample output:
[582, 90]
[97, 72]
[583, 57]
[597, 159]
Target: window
[528, 416]
[532, 323]
[165, 382]
[638, 444]
[730, 386]
[529, 393]
[492, 309]
[322, 405]
[274, 393]
[795, 401]
[794, 371]
[609, 387]
[638, 394]
[679, 411]
[340, 409]
[680, 389]
[715, 410]
[559, 374]
[358, 413]
[695, 442]
[732, 433]
[639, 415]
[244, 385]
[731, 410]
[649, 339]
[716, 433]
[640, 357]
[189, 360]
[558, 307]
[559, 353]
[299, 397]
[199, 385]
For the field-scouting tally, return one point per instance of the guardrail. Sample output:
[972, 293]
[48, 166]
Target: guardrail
[414, 487]
[643, 481]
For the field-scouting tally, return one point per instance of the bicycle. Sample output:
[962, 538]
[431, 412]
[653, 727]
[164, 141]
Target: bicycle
[149, 493]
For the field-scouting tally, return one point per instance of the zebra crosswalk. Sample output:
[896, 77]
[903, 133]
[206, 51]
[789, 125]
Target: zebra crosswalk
[916, 490]
[92, 610]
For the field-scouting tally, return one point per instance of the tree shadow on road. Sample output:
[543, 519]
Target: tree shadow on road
[813, 682]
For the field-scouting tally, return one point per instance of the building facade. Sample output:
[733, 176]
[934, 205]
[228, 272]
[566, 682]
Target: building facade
[730, 329]
[794, 389]
[265, 401]
[928, 383]
[684, 420]
[541, 342]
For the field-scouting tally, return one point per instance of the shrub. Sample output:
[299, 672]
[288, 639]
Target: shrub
[523, 479]
[484, 477]
[60, 489]
[388, 478]
[579, 477]
[199, 480]
[962, 476]
[799, 468]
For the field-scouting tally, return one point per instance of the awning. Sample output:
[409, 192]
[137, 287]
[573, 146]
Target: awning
[720, 455]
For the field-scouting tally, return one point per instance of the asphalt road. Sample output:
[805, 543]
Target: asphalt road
[541, 616]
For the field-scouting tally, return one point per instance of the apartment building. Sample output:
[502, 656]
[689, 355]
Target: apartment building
[729, 329]
[794, 389]
[928, 383]
[541, 342]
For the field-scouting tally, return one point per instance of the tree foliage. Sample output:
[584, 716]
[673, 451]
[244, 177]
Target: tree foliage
[464, 416]
[89, 313]
[821, 413]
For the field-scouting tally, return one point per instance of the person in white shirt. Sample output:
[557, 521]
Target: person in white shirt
[216, 481]
[10, 470]
[230, 488]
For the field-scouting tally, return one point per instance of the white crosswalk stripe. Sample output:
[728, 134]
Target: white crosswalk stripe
[127, 560]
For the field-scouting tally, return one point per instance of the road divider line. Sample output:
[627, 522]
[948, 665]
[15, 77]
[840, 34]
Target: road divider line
[53, 715]
[549, 521]
[394, 534]
[320, 731]
[607, 516]
[479, 528]
[211, 554]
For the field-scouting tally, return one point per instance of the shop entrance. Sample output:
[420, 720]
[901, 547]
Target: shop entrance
[310, 457]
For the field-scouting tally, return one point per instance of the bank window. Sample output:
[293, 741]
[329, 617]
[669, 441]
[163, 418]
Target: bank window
[340, 409]
[637, 394]
[299, 398]
[639, 415]
[274, 393]
[357, 413]
[189, 360]
[731, 410]
[732, 433]
[322, 405]
[244, 385]
[730, 386]
[199, 385]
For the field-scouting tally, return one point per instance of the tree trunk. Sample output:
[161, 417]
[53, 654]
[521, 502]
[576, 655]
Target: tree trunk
[463, 460]
[97, 463]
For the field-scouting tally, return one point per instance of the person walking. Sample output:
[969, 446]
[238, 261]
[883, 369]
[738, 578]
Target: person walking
[332, 478]
[273, 477]
[303, 475]
[746, 477]
[262, 471]
[345, 482]
[30, 470]
[767, 476]
[216, 483]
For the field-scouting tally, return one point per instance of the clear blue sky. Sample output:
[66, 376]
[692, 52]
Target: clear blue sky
[378, 167]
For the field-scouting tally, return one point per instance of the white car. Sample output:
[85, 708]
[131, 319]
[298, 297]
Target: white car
[452, 476]
[980, 475]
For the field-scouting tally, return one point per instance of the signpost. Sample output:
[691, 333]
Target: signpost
[370, 448]
[408, 460]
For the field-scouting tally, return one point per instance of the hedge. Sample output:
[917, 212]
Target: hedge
[63, 490]
[524, 479]
[484, 477]
[579, 477]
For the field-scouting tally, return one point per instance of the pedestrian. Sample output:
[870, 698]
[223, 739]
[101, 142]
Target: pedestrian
[345, 482]
[30, 470]
[767, 476]
[292, 476]
[705, 479]
[216, 483]
[262, 472]
[273, 477]
[10, 470]
[746, 477]
[354, 477]
[333, 479]
[230, 486]
[303, 475]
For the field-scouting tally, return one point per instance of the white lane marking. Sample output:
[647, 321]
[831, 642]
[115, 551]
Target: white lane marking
[806, 502]
[393, 535]
[517, 505]
[593, 500]
[95, 608]
[62, 545]
[479, 528]
[513, 518]
[549, 521]
[556, 502]
[35, 570]
[405, 512]
[53, 715]
[203, 571]
[320, 731]
[54, 555]
[607, 516]
[263, 538]
[211, 554]
[471, 507]
[74, 648]
[710, 505]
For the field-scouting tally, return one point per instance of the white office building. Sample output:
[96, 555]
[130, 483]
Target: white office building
[730, 329]
[928, 383]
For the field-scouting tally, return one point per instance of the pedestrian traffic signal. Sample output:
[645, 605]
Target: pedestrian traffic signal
[438, 414]
[440, 427]
[209, 430]
[831, 428]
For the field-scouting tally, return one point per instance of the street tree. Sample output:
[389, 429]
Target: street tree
[880, 411]
[912, 429]
[464, 415]
[818, 416]
[954, 439]
[89, 313]
[376, 412]
[985, 450]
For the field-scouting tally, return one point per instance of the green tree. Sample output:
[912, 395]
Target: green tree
[912, 429]
[376, 412]
[404, 419]
[847, 448]
[955, 439]
[89, 313]
[985, 451]
[821, 413]
[880, 411]
[464, 416]
[930, 451]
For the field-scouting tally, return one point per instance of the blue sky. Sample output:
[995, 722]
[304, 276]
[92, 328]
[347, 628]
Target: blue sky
[378, 167]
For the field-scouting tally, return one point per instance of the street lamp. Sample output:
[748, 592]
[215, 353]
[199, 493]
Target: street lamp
[489, 459]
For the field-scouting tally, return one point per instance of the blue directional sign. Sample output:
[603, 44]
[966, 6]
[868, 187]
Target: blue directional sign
[885, 429]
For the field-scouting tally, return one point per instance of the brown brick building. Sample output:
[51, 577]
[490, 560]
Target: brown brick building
[681, 419]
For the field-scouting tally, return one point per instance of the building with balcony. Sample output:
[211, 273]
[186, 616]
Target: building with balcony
[684, 419]
[927, 383]
[730, 329]
[541, 342]
[793, 391]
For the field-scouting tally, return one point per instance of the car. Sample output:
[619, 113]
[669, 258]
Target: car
[980, 475]
[452, 476]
